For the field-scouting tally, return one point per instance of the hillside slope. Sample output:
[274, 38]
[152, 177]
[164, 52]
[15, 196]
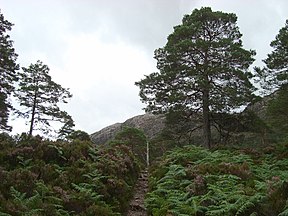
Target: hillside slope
[150, 124]
[253, 120]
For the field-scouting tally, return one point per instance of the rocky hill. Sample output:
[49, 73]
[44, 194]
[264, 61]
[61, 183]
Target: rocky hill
[149, 123]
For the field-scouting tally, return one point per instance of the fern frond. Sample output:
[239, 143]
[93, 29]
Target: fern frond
[33, 212]
[17, 196]
[4, 214]
[284, 213]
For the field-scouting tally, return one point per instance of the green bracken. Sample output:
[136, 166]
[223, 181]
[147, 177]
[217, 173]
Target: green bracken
[195, 181]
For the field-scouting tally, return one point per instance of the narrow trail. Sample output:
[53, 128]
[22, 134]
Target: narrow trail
[137, 203]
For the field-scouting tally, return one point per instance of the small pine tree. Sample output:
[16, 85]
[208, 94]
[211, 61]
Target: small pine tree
[40, 97]
[135, 139]
[79, 135]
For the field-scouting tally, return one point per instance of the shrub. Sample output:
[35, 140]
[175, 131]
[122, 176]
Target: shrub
[42, 177]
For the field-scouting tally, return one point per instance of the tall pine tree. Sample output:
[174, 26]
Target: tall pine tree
[275, 72]
[203, 68]
[8, 71]
[39, 96]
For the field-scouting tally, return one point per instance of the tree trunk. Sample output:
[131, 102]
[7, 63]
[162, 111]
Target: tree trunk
[206, 120]
[33, 114]
[147, 153]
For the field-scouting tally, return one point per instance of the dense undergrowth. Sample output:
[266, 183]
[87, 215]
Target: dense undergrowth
[40, 177]
[196, 181]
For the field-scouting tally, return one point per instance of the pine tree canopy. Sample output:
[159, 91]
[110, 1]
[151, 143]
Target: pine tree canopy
[39, 96]
[275, 73]
[202, 68]
[8, 71]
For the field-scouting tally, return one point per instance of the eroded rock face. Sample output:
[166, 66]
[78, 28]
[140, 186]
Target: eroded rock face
[149, 123]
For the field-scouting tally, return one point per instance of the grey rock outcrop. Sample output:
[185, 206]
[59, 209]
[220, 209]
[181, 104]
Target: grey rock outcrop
[105, 134]
[150, 124]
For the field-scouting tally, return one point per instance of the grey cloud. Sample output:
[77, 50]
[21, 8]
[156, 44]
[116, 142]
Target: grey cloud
[144, 23]
[141, 24]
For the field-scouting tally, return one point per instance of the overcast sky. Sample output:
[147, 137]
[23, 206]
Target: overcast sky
[99, 48]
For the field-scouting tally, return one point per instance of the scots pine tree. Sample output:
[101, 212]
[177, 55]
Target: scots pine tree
[136, 140]
[274, 76]
[8, 71]
[67, 128]
[275, 72]
[39, 95]
[203, 68]
[79, 135]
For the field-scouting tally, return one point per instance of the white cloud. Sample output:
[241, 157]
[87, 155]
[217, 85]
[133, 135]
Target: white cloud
[101, 75]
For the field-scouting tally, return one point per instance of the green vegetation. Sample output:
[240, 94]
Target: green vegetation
[34, 89]
[39, 96]
[275, 73]
[41, 177]
[203, 69]
[78, 135]
[195, 181]
[203, 77]
[136, 140]
[8, 72]
[277, 111]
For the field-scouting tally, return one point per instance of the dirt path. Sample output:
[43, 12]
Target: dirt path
[137, 203]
